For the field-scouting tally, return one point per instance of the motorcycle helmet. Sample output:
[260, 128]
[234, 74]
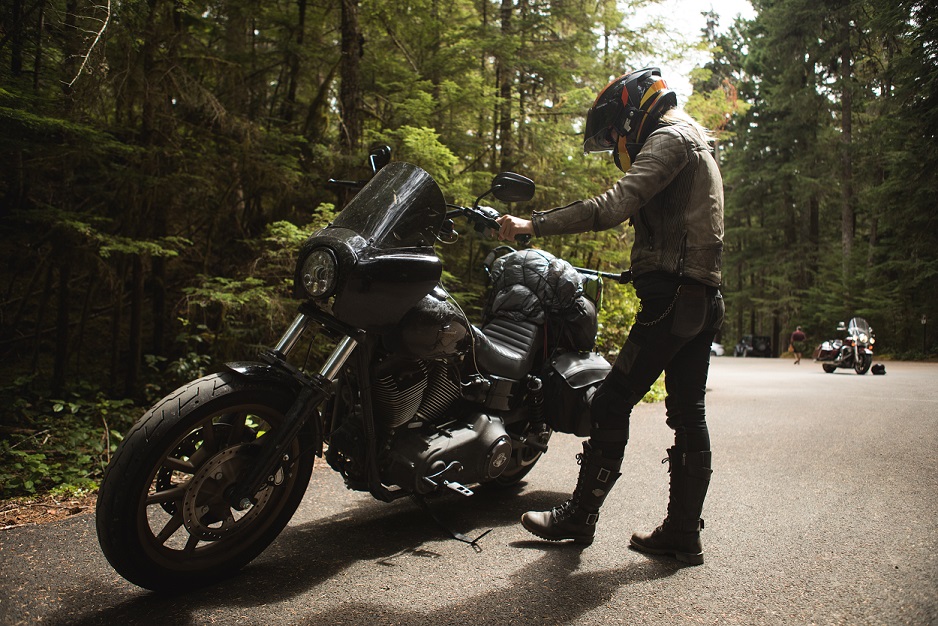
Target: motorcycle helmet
[632, 106]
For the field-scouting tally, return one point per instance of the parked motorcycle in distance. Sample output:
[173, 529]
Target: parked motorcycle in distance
[854, 351]
[413, 400]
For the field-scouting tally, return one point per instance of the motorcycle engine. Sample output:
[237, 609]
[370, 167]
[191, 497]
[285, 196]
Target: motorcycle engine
[413, 389]
[475, 449]
[427, 441]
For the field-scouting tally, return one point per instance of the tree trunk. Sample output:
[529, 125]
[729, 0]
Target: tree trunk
[37, 57]
[117, 324]
[61, 328]
[350, 96]
[847, 215]
[17, 38]
[814, 237]
[506, 82]
[135, 340]
[293, 63]
[90, 294]
[41, 315]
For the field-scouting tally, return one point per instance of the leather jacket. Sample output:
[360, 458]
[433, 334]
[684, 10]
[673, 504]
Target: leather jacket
[673, 195]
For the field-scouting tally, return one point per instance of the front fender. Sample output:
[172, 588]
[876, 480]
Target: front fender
[294, 380]
[267, 373]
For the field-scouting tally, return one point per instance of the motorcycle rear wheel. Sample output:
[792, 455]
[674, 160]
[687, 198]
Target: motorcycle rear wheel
[162, 520]
[523, 458]
[829, 368]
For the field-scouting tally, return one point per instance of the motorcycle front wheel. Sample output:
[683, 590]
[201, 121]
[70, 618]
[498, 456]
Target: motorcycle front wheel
[162, 518]
[861, 365]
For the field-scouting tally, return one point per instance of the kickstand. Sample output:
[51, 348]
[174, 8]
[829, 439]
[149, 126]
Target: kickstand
[420, 500]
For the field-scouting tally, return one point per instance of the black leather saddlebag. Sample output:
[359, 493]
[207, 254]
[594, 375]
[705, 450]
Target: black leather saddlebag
[570, 380]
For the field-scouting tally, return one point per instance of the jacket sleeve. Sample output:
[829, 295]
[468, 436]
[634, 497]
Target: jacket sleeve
[659, 161]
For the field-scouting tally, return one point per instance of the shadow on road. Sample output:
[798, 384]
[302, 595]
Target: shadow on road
[310, 554]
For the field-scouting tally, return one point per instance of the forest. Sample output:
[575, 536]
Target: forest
[162, 160]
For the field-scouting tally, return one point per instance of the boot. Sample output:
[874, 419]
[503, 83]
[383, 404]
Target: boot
[679, 534]
[576, 518]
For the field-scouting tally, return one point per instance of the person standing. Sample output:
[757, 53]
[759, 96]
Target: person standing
[797, 343]
[672, 194]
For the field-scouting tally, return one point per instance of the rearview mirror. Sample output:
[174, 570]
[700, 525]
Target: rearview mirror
[379, 157]
[511, 187]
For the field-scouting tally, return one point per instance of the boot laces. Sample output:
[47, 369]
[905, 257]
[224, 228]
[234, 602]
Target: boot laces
[565, 510]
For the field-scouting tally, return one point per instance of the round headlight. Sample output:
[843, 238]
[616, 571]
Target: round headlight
[319, 273]
[863, 337]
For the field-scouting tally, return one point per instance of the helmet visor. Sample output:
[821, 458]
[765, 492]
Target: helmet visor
[600, 122]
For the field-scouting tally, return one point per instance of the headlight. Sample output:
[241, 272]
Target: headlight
[863, 338]
[319, 273]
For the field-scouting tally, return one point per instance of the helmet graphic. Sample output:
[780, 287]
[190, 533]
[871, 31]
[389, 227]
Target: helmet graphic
[631, 106]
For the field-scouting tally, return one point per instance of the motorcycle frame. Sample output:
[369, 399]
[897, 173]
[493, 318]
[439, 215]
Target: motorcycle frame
[311, 392]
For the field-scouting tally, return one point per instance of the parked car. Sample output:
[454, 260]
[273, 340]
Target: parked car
[754, 345]
[716, 349]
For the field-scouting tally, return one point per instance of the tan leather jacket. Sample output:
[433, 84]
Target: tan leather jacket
[673, 195]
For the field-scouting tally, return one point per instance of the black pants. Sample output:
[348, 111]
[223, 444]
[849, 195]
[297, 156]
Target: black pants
[672, 334]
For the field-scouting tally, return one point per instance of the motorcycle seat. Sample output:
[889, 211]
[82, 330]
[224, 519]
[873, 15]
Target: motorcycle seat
[507, 348]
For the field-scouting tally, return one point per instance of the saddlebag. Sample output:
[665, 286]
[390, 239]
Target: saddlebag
[570, 380]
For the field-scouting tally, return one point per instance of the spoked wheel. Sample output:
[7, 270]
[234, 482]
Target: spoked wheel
[523, 457]
[163, 520]
[861, 365]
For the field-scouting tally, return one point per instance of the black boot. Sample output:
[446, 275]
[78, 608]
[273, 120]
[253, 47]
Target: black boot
[679, 534]
[576, 518]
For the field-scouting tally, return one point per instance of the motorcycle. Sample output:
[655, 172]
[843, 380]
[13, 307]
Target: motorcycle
[414, 400]
[854, 351]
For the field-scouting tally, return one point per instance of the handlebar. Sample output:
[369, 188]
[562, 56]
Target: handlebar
[623, 278]
[354, 185]
[482, 218]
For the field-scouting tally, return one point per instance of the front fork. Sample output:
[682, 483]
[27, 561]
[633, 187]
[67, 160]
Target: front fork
[312, 391]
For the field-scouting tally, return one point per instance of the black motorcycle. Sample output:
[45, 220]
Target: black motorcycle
[413, 400]
[855, 351]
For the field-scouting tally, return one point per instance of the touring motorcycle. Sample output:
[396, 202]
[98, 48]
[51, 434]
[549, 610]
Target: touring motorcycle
[854, 351]
[414, 400]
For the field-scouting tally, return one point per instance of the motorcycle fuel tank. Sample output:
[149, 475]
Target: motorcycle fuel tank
[434, 328]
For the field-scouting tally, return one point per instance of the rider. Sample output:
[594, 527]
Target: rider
[672, 193]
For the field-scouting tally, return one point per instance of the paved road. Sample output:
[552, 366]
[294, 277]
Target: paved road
[823, 510]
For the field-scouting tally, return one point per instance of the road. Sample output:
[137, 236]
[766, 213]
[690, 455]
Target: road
[823, 510]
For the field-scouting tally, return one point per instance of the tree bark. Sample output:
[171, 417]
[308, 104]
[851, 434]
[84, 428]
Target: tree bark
[293, 63]
[60, 362]
[17, 38]
[135, 358]
[848, 214]
[506, 82]
[350, 96]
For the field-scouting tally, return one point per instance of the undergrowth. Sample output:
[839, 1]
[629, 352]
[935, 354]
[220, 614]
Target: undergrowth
[58, 444]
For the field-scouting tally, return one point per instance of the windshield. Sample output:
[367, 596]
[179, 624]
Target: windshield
[401, 207]
[858, 326]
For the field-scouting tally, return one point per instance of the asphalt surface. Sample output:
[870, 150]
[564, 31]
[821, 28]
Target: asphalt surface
[823, 509]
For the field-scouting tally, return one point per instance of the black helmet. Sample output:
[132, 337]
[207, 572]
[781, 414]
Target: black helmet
[632, 105]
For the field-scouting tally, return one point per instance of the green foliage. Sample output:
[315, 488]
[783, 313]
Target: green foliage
[60, 443]
[422, 147]
[825, 169]
[167, 190]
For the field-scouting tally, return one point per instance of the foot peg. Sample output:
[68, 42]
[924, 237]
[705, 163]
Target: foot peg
[458, 488]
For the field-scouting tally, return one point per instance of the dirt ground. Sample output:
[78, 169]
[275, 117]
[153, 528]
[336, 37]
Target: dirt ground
[40, 510]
